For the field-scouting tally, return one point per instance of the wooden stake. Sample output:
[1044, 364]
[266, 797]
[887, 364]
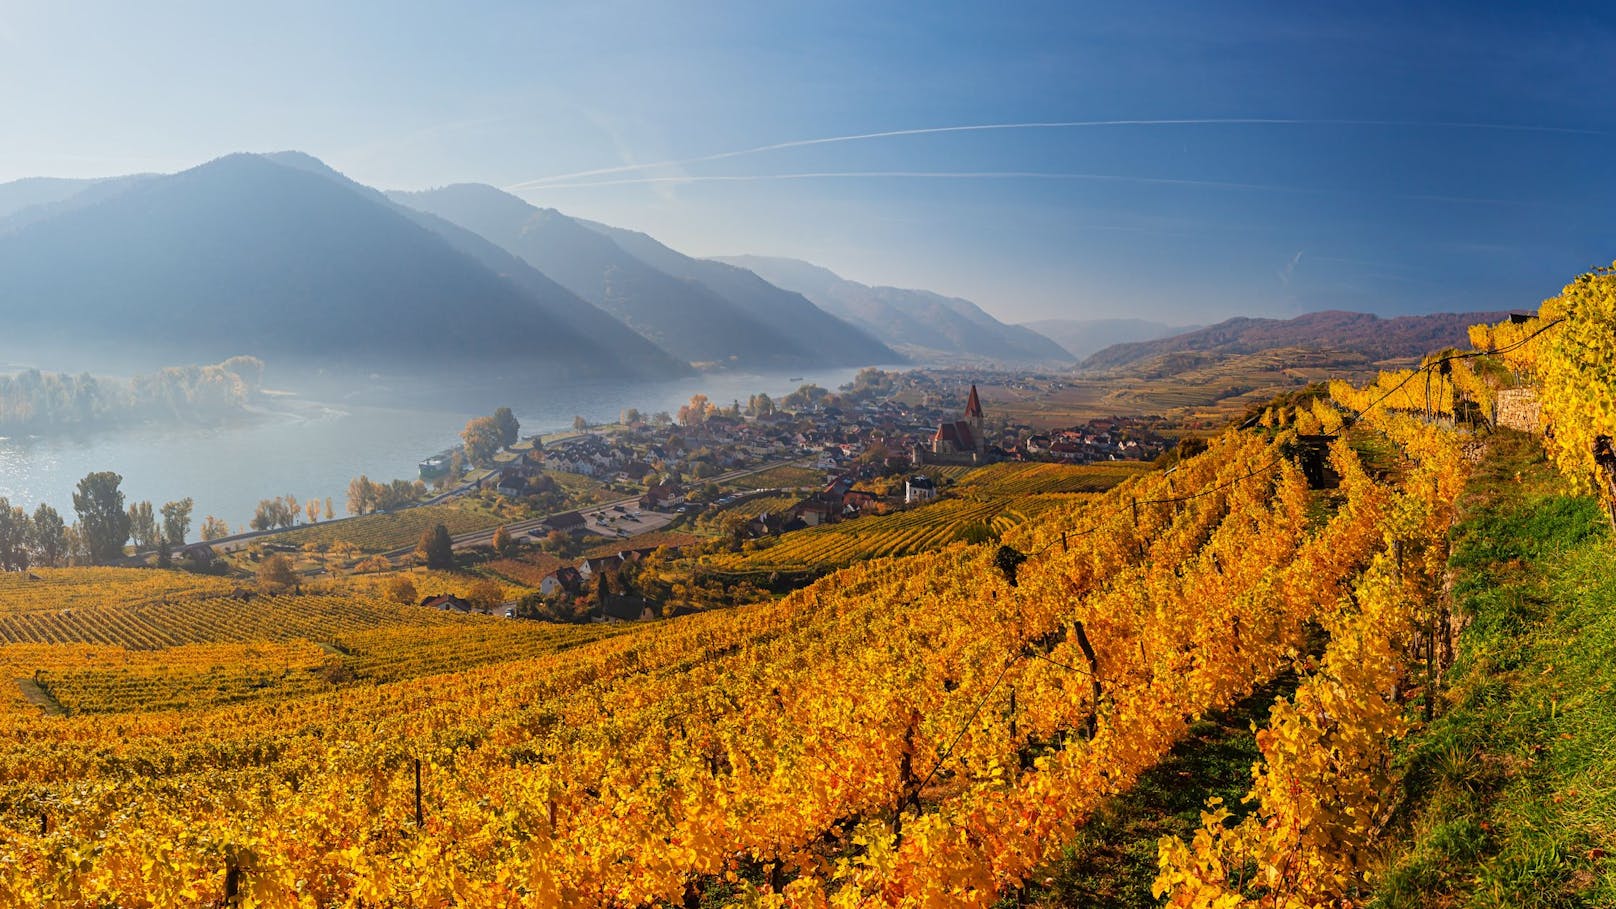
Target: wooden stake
[1094, 677]
[418, 817]
[232, 883]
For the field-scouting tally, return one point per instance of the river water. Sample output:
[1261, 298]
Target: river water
[312, 444]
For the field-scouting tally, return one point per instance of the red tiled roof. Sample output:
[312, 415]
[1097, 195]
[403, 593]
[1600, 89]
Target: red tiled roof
[959, 433]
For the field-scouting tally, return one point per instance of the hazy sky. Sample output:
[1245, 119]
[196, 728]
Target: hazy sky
[1371, 158]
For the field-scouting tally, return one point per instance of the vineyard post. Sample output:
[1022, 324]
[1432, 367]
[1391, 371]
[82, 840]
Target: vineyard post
[1012, 716]
[1093, 723]
[1063, 542]
[232, 882]
[907, 784]
[1135, 513]
[1430, 669]
[418, 818]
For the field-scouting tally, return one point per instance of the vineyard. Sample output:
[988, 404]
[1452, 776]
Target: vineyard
[904, 533]
[918, 730]
[393, 530]
[1013, 479]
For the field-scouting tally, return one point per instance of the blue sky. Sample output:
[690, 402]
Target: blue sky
[1409, 158]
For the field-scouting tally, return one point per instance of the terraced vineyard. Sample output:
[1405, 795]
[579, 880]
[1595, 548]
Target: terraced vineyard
[113, 680]
[214, 619]
[1000, 496]
[904, 533]
[1012, 479]
[57, 589]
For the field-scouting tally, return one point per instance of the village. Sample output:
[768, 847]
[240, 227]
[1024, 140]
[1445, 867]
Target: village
[875, 447]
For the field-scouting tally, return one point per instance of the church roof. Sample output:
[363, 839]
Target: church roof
[958, 432]
[973, 405]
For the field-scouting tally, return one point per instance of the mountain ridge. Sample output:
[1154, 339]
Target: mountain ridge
[248, 247]
[738, 324]
[1373, 336]
[927, 324]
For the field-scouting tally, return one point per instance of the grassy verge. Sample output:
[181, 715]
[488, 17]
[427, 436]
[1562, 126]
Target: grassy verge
[1511, 793]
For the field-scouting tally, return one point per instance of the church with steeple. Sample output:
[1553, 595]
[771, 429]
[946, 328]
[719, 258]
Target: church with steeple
[962, 442]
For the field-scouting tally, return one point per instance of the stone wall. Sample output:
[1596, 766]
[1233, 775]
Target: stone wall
[1517, 408]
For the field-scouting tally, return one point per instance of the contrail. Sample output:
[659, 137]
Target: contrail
[1009, 175]
[1053, 124]
[924, 174]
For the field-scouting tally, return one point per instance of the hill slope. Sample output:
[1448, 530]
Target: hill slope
[681, 311]
[1083, 337]
[280, 257]
[1350, 332]
[928, 325]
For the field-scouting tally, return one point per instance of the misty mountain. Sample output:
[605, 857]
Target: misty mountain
[279, 257]
[925, 325]
[788, 310]
[1082, 337]
[20, 194]
[1359, 333]
[571, 309]
[733, 325]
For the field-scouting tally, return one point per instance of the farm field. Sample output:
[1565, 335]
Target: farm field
[787, 476]
[375, 533]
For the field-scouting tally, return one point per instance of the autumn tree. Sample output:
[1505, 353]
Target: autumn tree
[361, 495]
[436, 549]
[273, 513]
[143, 525]
[630, 417]
[103, 523]
[502, 540]
[329, 511]
[697, 411]
[49, 541]
[214, 529]
[276, 574]
[401, 589]
[177, 520]
[509, 429]
[485, 594]
[579, 423]
[16, 530]
[482, 439]
[312, 508]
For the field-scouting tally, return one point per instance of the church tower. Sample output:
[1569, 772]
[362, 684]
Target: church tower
[973, 415]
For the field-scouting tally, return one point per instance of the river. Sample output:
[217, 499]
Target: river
[311, 445]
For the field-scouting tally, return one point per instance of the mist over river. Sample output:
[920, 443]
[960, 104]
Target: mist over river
[310, 443]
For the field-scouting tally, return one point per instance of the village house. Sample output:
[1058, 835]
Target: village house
[918, 490]
[447, 603]
[566, 522]
[566, 580]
